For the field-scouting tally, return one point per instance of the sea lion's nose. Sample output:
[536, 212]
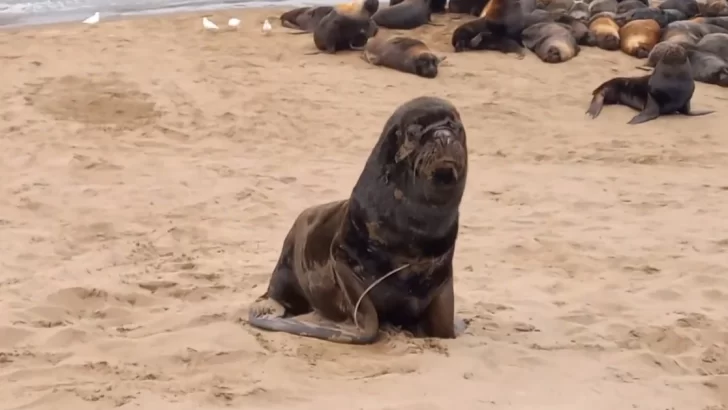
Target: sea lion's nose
[444, 135]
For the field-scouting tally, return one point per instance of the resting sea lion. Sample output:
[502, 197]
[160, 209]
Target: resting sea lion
[579, 30]
[472, 7]
[602, 6]
[304, 18]
[645, 13]
[500, 29]
[406, 15]
[688, 7]
[605, 31]
[716, 43]
[346, 28]
[628, 5]
[713, 8]
[716, 21]
[667, 90]
[555, 5]
[705, 66]
[637, 38]
[580, 10]
[404, 54]
[383, 256]
[689, 32]
[551, 42]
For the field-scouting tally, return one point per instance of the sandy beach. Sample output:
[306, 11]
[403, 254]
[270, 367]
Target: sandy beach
[150, 171]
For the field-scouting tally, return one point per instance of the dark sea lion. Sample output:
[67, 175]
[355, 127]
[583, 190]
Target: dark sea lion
[667, 90]
[503, 21]
[716, 21]
[579, 30]
[605, 31]
[472, 7]
[551, 42]
[394, 237]
[628, 5]
[602, 6]
[346, 27]
[562, 6]
[716, 43]
[646, 13]
[689, 32]
[705, 66]
[406, 15]
[688, 7]
[638, 37]
[304, 18]
[713, 8]
[404, 54]
[579, 10]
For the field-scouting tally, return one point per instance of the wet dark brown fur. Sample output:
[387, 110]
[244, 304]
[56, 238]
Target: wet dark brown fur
[638, 37]
[552, 42]
[500, 29]
[706, 66]
[688, 7]
[346, 27]
[605, 31]
[472, 7]
[402, 212]
[688, 32]
[404, 54]
[405, 15]
[667, 90]
[305, 18]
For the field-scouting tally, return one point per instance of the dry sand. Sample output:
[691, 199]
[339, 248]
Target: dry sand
[151, 170]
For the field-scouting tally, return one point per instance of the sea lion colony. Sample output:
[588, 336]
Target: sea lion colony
[554, 30]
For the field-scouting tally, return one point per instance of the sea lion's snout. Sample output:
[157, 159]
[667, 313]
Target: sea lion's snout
[446, 158]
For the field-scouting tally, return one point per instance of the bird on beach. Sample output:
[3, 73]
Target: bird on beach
[93, 19]
[266, 27]
[233, 22]
[209, 25]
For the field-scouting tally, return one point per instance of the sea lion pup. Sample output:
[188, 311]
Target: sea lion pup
[645, 13]
[385, 255]
[716, 43]
[688, 7]
[579, 10]
[637, 38]
[406, 15]
[346, 27]
[304, 18]
[628, 5]
[551, 42]
[472, 7]
[705, 66]
[688, 32]
[667, 90]
[605, 31]
[404, 54]
[602, 6]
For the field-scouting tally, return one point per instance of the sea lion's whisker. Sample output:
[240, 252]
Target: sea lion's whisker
[375, 283]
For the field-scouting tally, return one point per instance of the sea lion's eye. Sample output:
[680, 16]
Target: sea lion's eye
[413, 131]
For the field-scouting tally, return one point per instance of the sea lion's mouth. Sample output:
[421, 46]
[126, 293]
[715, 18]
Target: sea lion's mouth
[445, 175]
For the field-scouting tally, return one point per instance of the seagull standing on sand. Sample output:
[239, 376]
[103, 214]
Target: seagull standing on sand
[207, 24]
[233, 22]
[93, 19]
[266, 27]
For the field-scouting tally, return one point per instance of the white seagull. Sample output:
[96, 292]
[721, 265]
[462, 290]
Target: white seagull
[93, 19]
[208, 24]
[266, 27]
[233, 22]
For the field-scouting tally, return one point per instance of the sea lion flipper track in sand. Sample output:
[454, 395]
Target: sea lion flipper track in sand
[403, 216]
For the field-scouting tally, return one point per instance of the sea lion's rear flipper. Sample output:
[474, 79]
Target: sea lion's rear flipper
[649, 113]
[686, 111]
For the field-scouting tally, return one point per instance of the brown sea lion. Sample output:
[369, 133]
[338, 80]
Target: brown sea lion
[602, 6]
[713, 8]
[638, 37]
[688, 7]
[405, 15]
[551, 42]
[472, 7]
[605, 31]
[706, 67]
[669, 89]
[499, 30]
[346, 27]
[628, 5]
[497, 8]
[305, 18]
[404, 54]
[385, 255]
[689, 32]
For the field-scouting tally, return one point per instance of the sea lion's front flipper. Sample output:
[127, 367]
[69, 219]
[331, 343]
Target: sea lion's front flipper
[650, 112]
[686, 111]
[439, 319]
[596, 105]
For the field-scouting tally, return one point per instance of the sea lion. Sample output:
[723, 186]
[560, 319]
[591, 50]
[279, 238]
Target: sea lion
[579, 30]
[365, 8]
[705, 66]
[385, 255]
[628, 5]
[404, 54]
[304, 18]
[716, 43]
[605, 31]
[406, 15]
[716, 21]
[436, 6]
[602, 6]
[499, 29]
[555, 5]
[667, 90]
[346, 28]
[638, 37]
[579, 10]
[472, 7]
[645, 13]
[689, 32]
[551, 42]
[713, 8]
[688, 7]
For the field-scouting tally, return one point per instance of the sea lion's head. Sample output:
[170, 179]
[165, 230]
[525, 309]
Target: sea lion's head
[673, 54]
[428, 150]
[426, 65]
